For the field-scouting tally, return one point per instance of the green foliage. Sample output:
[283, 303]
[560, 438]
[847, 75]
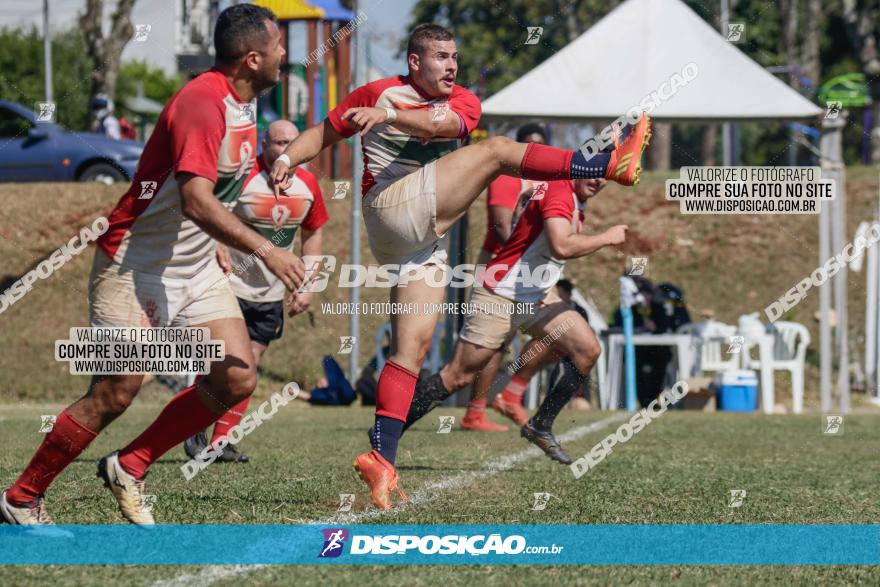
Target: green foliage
[157, 85]
[21, 73]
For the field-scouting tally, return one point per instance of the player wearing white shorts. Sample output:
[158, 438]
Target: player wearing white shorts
[155, 267]
[260, 293]
[416, 185]
[518, 292]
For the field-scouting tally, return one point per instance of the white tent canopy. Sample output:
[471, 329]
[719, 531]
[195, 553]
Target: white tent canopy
[631, 53]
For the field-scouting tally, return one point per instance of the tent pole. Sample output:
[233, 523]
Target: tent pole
[826, 365]
[726, 128]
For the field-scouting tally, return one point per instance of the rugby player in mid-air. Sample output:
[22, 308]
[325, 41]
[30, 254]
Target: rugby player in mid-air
[155, 267]
[260, 293]
[416, 185]
[518, 293]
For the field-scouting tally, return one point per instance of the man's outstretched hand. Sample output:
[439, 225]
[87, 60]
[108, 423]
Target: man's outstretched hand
[281, 177]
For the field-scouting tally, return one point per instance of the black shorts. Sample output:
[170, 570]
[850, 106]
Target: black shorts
[265, 322]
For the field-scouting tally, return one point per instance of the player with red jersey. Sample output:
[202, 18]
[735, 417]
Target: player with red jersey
[417, 183]
[155, 267]
[260, 293]
[518, 293]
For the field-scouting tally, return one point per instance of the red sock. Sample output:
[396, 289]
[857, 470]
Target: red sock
[513, 391]
[67, 440]
[395, 391]
[184, 416]
[229, 420]
[476, 408]
[545, 163]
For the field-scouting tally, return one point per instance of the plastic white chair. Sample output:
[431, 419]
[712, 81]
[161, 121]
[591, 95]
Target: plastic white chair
[713, 339]
[790, 342]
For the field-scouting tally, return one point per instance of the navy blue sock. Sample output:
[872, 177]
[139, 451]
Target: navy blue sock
[386, 435]
[593, 168]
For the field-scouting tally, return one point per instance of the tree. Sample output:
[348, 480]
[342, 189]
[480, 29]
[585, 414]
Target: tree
[21, 72]
[861, 18]
[156, 84]
[106, 51]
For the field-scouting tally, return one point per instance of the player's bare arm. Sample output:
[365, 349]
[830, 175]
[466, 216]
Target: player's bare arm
[501, 218]
[418, 123]
[301, 150]
[199, 204]
[312, 245]
[566, 244]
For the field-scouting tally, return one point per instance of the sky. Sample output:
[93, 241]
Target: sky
[386, 24]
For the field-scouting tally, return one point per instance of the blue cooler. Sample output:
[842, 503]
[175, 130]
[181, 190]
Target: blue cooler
[736, 391]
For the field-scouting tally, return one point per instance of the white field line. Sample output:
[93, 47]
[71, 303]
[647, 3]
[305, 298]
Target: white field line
[425, 494]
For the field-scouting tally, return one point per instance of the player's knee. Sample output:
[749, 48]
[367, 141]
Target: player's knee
[242, 383]
[586, 356]
[117, 398]
[497, 143]
[460, 379]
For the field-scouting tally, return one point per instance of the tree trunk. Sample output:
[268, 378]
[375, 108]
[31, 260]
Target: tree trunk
[106, 51]
[659, 154]
[788, 13]
[710, 145]
[861, 19]
[811, 66]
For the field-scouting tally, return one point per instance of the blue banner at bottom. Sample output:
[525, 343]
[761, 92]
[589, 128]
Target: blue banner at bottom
[442, 544]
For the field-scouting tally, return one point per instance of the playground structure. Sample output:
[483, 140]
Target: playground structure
[312, 87]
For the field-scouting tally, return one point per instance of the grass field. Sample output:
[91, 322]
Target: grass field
[679, 470]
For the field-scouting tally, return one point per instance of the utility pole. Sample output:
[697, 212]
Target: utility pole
[47, 52]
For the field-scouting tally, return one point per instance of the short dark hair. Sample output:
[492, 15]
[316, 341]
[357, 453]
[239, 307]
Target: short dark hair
[239, 29]
[532, 128]
[424, 34]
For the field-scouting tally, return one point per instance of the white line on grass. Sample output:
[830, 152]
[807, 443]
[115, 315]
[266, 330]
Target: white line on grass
[425, 494]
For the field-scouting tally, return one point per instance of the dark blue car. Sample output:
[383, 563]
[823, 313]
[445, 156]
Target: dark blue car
[31, 150]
